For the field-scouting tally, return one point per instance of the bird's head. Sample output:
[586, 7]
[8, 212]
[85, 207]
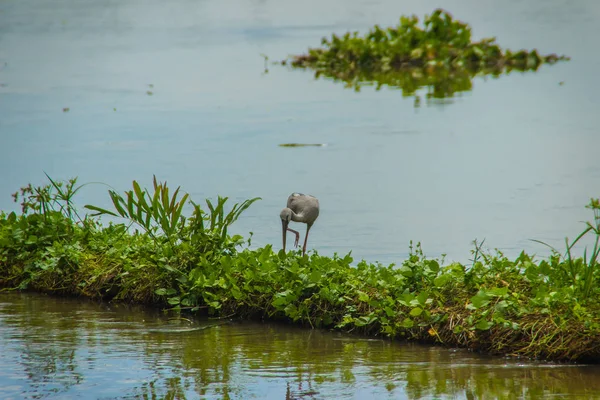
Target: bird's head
[286, 217]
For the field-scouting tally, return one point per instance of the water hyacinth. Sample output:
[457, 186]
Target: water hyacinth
[440, 54]
[547, 308]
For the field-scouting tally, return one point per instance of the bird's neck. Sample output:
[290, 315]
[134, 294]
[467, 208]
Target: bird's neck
[298, 217]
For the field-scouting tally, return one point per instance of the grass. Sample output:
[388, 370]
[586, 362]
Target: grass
[545, 309]
[440, 55]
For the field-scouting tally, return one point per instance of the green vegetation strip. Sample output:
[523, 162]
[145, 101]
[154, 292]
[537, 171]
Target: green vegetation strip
[301, 145]
[439, 54]
[543, 309]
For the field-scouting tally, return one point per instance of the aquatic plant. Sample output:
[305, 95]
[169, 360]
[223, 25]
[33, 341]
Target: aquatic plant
[161, 215]
[52, 197]
[51, 236]
[302, 145]
[543, 309]
[579, 271]
[439, 55]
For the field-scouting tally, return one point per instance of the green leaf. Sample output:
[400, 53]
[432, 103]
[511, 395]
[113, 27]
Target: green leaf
[483, 325]
[481, 299]
[315, 277]
[237, 294]
[138, 191]
[99, 211]
[32, 239]
[178, 211]
[422, 298]
[503, 291]
[434, 266]
[130, 204]
[441, 280]
[214, 304]
[174, 300]
[362, 296]
[415, 312]
[165, 292]
[501, 305]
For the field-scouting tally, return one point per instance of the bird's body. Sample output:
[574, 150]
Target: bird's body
[300, 208]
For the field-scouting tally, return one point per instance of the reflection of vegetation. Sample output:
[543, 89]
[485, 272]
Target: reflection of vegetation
[440, 56]
[546, 309]
[235, 361]
[52, 346]
[316, 365]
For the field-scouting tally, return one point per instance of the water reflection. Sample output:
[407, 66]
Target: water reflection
[438, 84]
[54, 346]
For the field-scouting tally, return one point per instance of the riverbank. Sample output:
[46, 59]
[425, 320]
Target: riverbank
[545, 309]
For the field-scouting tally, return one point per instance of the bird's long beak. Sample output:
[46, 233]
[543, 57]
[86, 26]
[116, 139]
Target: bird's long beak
[284, 225]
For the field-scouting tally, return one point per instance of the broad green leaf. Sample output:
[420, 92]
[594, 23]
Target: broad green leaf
[480, 300]
[315, 277]
[415, 312]
[483, 325]
[362, 296]
[174, 300]
[408, 323]
[441, 280]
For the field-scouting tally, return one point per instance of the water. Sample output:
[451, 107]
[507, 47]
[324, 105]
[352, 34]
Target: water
[68, 349]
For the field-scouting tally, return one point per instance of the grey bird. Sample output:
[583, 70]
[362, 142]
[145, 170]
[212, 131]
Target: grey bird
[300, 208]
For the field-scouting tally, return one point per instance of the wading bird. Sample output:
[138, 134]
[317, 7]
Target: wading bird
[300, 208]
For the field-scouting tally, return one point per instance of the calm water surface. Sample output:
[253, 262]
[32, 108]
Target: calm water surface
[72, 349]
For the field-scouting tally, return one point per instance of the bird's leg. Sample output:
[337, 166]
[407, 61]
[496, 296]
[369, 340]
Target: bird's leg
[297, 236]
[305, 239]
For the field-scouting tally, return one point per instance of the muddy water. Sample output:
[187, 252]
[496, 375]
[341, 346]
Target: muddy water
[72, 349]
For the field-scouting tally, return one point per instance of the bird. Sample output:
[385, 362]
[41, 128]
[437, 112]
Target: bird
[300, 208]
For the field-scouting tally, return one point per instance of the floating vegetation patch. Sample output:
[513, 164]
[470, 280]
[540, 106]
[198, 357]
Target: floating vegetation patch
[302, 145]
[440, 55]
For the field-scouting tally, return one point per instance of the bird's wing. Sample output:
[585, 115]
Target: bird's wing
[293, 200]
[300, 202]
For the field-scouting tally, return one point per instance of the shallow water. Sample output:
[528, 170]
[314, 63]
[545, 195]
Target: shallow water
[514, 159]
[68, 349]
